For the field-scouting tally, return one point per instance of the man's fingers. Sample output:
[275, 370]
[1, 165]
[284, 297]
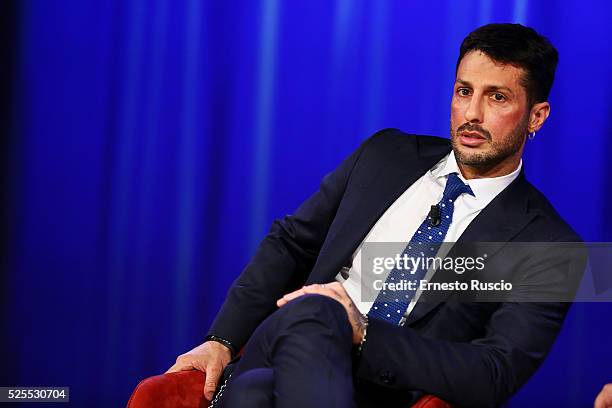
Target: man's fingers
[323, 290]
[210, 358]
[604, 399]
[180, 366]
[213, 372]
[289, 296]
[294, 294]
[333, 290]
[338, 288]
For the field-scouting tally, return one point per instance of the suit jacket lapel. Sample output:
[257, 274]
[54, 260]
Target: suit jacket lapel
[376, 194]
[498, 222]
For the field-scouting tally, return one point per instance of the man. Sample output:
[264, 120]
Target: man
[319, 348]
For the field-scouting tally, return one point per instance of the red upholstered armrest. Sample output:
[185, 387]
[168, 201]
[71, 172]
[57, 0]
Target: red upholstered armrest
[185, 389]
[429, 401]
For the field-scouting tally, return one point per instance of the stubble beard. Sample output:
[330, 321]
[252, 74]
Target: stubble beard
[498, 151]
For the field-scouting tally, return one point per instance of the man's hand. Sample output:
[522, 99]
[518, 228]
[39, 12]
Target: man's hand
[335, 291]
[604, 399]
[210, 357]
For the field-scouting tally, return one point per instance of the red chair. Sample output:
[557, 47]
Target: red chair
[184, 389]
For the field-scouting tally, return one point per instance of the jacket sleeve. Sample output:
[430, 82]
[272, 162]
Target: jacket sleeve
[486, 371]
[284, 258]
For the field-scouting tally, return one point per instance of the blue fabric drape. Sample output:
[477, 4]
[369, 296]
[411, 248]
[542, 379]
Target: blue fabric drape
[155, 141]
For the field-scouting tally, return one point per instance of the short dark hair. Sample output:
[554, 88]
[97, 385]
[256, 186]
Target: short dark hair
[519, 46]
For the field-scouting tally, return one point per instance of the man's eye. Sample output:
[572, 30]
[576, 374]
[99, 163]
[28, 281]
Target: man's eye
[463, 92]
[498, 97]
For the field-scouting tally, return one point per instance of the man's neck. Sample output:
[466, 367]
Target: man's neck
[501, 169]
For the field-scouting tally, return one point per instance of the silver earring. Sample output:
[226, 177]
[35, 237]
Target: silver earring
[531, 136]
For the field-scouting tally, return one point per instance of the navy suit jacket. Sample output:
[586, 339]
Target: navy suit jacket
[471, 354]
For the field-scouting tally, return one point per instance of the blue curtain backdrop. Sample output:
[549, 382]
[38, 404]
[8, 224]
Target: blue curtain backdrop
[153, 142]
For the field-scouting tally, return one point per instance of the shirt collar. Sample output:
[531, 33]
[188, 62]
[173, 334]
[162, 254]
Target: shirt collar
[485, 189]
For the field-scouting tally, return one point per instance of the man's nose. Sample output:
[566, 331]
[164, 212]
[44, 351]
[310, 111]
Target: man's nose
[474, 112]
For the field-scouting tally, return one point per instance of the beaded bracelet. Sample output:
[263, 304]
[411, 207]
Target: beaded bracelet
[365, 332]
[221, 340]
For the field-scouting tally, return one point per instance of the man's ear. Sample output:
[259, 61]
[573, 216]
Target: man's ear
[538, 115]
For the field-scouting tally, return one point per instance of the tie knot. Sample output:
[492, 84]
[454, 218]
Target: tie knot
[455, 187]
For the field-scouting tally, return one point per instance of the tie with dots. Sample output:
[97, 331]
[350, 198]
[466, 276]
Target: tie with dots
[390, 305]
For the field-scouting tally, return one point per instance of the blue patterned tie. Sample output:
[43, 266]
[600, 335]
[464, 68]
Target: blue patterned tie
[390, 305]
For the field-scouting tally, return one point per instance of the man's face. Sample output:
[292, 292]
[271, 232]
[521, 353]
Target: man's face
[489, 114]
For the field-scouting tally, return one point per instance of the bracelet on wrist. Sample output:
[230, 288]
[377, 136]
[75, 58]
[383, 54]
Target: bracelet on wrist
[365, 332]
[223, 341]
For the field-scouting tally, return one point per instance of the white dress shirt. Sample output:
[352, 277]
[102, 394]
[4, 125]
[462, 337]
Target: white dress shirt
[401, 220]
